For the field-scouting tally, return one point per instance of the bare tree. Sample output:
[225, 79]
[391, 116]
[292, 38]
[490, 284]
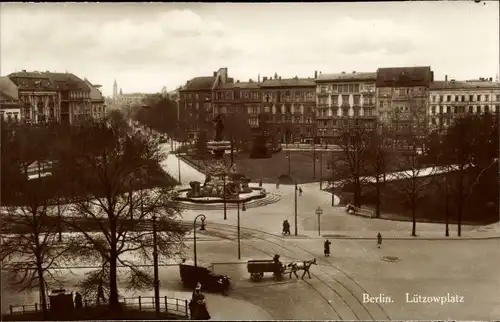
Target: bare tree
[378, 153]
[413, 183]
[471, 145]
[31, 248]
[354, 145]
[109, 164]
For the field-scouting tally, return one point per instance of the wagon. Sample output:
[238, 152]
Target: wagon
[257, 268]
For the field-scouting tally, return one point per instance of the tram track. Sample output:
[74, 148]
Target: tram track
[344, 298]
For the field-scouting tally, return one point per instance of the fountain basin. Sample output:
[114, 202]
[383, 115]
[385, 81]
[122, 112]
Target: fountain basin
[257, 193]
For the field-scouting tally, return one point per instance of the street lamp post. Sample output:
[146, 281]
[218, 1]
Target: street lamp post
[155, 264]
[225, 203]
[288, 156]
[320, 171]
[179, 166]
[319, 211]
[202, 228]
[296, 208]
[314, 162]
[239, 246]
[333, 180]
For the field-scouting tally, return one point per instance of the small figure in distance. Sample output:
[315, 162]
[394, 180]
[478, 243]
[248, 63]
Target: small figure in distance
[327, 248]
[379, 240]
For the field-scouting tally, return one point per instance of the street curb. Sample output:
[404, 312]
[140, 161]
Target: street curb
[411, 238]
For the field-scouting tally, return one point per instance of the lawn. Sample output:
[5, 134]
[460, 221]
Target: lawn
[481, 207]
[300, 164]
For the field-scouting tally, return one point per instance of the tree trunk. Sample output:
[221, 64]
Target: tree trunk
[113, 285]
[41, 281]
[377, 206]
[460, 203]
[357, 192]
[447, 207]
[414, 218]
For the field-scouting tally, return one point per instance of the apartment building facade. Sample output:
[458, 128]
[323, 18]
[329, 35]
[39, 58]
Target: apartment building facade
[10, 108]
[344, 99]
[288, 108]
[403, 99]
[452, 99]
[97, 103]
[52, 97]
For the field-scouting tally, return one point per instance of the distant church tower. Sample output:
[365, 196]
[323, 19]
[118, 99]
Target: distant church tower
[115, 89]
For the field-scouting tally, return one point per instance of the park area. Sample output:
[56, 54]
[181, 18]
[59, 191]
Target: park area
[480, 208]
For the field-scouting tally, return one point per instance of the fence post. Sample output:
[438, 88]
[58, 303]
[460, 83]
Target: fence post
[166, 304]
[11, 309]
[186, 307]
[36, 307]
[23, 309]
[140, 306]
[177, 304]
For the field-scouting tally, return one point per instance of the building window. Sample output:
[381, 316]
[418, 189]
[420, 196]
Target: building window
[298, 97]
[440, 110]
[255, 95]
[345, 88]
[345, 99]
[351, 88]
[245, 94]
[356, 112]
[356, 99]
[455, 109]
[497, 109]
[498, 97]
[463, 98]
[448, 98]
[479, 110]
[479, 97]
[486, 109]
[471, 109]
[487, 98]
[228, 95]
[336, 89]
[433, 99]
[190, 96]
[433, 110]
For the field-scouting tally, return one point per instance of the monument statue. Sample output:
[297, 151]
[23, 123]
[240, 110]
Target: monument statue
[219, 127]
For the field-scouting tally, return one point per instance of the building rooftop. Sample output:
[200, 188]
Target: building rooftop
[199, 83]
[289, 82]
[95, 94]
[354, 76]
[243, 85]
[404, 76]
[48, 81]
[8, 90]
[436, 85]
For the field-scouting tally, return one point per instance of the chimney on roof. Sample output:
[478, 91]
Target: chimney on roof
[343, 72]
[238, 81]
[24, 70]
[315, 74]
[264, 78]
[258, 79]
[491, 79]
[445, 78]
[215, 74]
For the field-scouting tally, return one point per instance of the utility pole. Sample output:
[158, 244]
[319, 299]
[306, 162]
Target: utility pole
[333, 180]
[295, 208]
[239, 246]
[314, 162]
[225, 203]
[320, 171]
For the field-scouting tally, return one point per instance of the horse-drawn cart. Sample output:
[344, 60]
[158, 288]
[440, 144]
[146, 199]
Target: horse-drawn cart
[257, 268]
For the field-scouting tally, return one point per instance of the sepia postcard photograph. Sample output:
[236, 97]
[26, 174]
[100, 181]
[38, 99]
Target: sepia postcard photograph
[250, 161]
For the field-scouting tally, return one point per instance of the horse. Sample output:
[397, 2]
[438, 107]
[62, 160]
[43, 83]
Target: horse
[303, 265]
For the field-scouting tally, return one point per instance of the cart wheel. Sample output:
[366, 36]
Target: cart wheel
[259, 276]
[254, 277]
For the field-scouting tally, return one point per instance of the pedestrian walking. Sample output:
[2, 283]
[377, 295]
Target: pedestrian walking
[286, 227]
[327, 248]
[379, 240]
[300, 191]
[260, 183]
[277, 185]
[78, 301]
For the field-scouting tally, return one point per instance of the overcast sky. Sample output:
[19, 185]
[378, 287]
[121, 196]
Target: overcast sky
[148, 46]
